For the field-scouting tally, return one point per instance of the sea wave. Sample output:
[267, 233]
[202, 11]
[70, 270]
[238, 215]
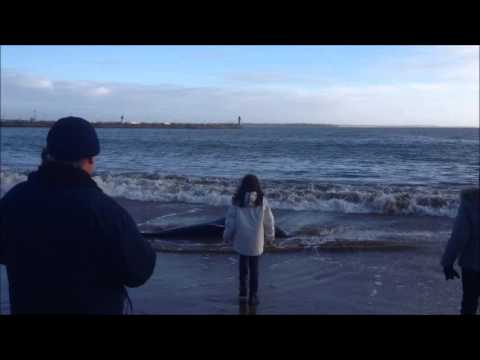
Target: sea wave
[288, 195]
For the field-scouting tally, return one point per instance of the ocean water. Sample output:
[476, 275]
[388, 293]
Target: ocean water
[394, 171]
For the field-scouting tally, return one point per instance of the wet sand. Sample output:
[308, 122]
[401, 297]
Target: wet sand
[304, 282]
[300, 283]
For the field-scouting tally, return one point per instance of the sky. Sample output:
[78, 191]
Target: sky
[342, 85]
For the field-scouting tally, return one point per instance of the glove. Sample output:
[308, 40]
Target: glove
[450, 273]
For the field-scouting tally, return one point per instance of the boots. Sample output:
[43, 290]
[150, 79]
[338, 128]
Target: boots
[253, 300]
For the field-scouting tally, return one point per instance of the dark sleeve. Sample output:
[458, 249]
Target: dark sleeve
[133, 255]
[3, 230]
[138, 256]
[459, 237]
[6, 201]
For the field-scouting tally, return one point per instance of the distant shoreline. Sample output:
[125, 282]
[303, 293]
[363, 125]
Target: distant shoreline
[119, 125]
[167, 125]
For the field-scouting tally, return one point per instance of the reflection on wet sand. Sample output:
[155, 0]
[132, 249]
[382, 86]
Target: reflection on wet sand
[245, 309]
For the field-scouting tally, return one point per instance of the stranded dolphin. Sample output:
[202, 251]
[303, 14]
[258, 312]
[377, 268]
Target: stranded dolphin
[209, 232]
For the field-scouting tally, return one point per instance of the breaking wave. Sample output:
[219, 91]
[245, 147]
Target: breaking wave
[288, 195]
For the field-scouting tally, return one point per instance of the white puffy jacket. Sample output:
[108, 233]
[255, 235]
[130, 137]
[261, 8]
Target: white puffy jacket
[249, 226]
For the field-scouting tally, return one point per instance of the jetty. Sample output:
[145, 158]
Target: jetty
[123, 125]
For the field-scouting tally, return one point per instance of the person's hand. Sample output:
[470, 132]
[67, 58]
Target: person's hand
[450, 273]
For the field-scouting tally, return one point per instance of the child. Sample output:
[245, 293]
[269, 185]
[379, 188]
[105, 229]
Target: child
[249, 220]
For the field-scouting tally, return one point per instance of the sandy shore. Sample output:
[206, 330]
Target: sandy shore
[305, 282]
[300, 283]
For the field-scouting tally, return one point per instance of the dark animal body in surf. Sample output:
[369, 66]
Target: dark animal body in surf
[210, 232]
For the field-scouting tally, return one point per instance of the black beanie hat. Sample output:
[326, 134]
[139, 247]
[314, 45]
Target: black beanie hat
[71, 139]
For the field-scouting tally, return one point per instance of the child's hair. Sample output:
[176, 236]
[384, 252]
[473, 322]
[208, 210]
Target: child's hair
[250, 183]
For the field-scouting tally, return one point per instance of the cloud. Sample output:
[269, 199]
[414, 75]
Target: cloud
[409, 103]
[467, 52]
[29, 81]
[101, 91]
[42, 84]
[447, 63]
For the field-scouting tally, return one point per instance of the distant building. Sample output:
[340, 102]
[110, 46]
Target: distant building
[34, 117]
[239, 120]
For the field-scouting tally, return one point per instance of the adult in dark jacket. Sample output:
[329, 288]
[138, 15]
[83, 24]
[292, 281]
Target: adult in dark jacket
[464, 245]
[67, 246]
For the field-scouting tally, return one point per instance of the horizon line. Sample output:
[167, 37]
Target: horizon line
[260, 123]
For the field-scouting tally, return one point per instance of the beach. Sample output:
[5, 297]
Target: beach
[364, 155]
[367, 212]
[303, 282]
[309, 281]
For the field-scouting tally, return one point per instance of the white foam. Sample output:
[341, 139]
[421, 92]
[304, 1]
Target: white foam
[282, 195]
[167, 190]
[9, 179]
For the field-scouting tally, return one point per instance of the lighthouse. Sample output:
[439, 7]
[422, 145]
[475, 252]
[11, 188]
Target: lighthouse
[239, 121]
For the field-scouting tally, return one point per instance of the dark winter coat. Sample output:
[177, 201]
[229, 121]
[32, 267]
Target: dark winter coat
[68, 247]
[464, 243]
